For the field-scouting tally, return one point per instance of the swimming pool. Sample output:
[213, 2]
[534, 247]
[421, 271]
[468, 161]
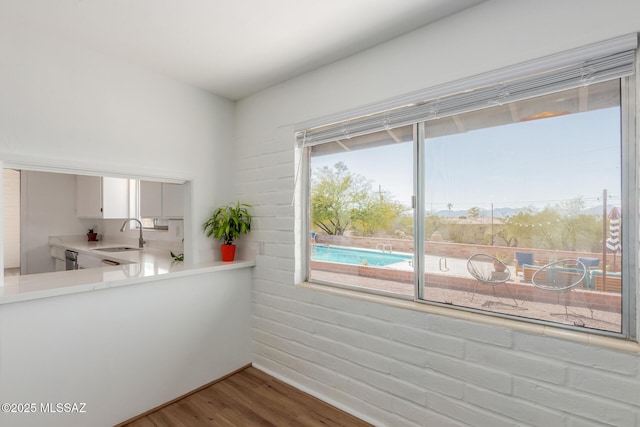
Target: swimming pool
[356, 256]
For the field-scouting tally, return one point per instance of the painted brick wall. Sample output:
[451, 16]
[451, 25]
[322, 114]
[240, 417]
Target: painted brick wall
[398, 367]
[390, 365]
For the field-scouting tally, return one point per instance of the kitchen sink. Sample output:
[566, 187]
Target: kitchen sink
[117, 249]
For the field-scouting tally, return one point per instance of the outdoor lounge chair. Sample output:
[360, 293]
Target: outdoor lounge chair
[560, 277]
[489, 270]
[523, 258]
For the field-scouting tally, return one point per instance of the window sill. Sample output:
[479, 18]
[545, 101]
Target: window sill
[533, 328]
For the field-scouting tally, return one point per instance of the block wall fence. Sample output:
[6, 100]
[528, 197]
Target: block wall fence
[463, 250]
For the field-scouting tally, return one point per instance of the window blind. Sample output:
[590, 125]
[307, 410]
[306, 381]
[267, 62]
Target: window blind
[604, 61]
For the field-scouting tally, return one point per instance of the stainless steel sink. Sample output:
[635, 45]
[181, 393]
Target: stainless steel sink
[117, 249]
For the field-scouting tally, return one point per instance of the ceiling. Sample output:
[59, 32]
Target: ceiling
[232, 48]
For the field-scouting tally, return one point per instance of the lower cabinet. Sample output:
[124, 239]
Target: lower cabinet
[86, 261]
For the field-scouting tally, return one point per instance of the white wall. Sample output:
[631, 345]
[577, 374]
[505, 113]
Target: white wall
[126, 350]
[123, 351]
[394, 366]
[68, 107]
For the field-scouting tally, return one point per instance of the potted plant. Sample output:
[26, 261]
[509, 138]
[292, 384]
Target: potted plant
[91, 235]
[228, 223]
[500, 264]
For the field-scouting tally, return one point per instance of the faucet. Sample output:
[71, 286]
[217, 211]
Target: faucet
[140, 240]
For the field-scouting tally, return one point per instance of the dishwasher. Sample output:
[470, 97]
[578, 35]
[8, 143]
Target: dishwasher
[71, 260]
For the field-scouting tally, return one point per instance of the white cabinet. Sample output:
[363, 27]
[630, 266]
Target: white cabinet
[102, 197]
[161, 200]
[87, 261]
[59, 260]
[150, 199]
[172, 200]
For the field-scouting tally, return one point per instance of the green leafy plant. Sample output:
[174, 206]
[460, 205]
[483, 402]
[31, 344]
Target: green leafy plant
[228, 222]
[177, 257]
[502, 258]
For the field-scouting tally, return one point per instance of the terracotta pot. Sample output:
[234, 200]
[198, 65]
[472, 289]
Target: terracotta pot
[92, 237]
[499, 267]
[228, 252]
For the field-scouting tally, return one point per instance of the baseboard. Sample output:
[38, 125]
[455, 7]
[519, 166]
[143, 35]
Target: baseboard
[317, 395]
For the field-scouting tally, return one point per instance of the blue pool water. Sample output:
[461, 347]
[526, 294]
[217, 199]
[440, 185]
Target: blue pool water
[355, 256]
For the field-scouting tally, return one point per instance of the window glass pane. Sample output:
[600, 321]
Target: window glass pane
[522, 206]
[361, 219]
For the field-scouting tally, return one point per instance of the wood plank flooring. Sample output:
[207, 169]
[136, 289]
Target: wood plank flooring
[248, 398]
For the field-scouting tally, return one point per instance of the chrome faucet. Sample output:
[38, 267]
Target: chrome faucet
[140, 240]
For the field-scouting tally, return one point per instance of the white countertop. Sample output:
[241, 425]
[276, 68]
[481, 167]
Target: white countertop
[158, 257]
[144, 265]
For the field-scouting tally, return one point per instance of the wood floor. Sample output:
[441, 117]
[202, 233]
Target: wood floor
[248, 398]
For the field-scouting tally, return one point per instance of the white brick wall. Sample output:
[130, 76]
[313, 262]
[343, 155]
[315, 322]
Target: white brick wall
[394, 366]
[396, 374]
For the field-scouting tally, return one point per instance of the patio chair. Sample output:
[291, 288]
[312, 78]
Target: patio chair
[560, 277]
[590, 263]
[489, 270]
[523, 258]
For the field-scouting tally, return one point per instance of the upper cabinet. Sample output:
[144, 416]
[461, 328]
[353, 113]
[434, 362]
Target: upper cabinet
[102, 197]
[161, 200]
[150, 199]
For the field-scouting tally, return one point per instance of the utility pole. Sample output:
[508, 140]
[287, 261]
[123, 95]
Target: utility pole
[491, 224]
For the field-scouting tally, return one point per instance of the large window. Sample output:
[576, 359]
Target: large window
[361, 212]
[513, 209]
[532, 188]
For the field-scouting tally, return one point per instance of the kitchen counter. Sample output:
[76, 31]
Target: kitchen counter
[160, 258]
[147, 264]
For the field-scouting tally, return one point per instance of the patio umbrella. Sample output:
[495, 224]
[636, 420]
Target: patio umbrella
[613, 242]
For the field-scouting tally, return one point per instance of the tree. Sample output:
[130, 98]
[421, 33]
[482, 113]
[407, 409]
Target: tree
[474, 212]
[555, 227]
[332, 198]
[342, 200]
[374, 214]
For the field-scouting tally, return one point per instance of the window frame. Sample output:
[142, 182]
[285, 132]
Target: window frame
[630, 227]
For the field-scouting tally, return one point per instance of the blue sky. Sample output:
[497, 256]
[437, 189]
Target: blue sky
[534, 163]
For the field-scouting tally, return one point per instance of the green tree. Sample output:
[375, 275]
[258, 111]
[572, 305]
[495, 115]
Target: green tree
[341, 200]
[433, 223]
[517, 230]
[332, 198]
[474, 212]
[375, 213]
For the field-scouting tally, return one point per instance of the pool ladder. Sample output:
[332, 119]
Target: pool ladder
[383, 247]
[442, 264]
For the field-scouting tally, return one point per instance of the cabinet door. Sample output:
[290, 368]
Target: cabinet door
[172, 200]
[88, 196]
[150, 199]
[115, 197]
